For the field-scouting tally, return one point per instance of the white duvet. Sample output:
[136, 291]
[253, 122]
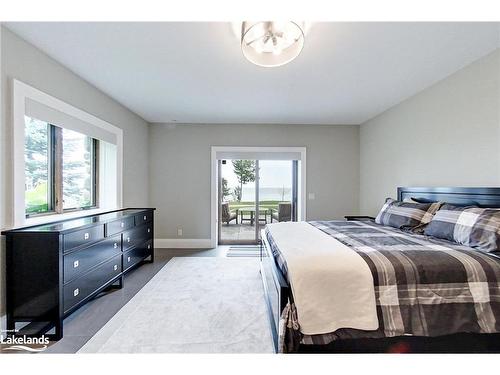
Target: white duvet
[332, 285]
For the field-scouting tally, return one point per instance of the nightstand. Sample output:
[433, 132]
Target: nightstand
[359, 218]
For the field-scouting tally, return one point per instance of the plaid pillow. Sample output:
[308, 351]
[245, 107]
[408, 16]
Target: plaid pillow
[405, 215]
[426, 219]
[470, 226]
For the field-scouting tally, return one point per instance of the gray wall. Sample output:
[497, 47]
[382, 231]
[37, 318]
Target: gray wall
[22, 61]
[447, 135]
[180, 169]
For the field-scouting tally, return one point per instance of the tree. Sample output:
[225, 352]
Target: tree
[36, 154]
[36, 165]
[236, 193]
[245, 172]
[77, 169]
[225, 189]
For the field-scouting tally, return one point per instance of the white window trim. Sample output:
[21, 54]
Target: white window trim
[247, 149]
[21, 92]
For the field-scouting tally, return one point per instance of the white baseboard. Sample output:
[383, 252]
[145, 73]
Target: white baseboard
[184, 243]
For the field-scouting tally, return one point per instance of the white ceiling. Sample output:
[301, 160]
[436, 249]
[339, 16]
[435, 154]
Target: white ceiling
[195, 72]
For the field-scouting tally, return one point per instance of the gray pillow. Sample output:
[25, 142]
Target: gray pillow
[471, 226]
[405, 215]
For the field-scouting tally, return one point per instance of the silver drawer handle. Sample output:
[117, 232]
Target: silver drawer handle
[115, 245]
[76, 263]
[145, 217]
[128, 239]
[149, 230]
[122, 224]
[76, 292]
[149, 246]
[128, 259]
[86, 236]
[115, 267]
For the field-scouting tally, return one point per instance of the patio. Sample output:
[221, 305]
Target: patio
[243, 229]
[238, 232]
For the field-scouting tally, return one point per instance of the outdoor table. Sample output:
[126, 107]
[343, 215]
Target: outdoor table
[251, 210]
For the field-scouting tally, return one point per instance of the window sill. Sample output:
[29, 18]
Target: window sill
[67, 215]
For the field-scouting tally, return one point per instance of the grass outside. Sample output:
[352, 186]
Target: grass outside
[263, 204]
[36, 199]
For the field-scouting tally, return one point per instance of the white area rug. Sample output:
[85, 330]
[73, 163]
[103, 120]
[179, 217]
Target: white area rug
[192, 305]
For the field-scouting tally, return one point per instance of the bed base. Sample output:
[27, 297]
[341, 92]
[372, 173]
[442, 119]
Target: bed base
[276, 288]
[456, 343]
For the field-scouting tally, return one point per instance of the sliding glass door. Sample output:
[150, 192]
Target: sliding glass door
[275, 192]
[253, 193]
[237, 189]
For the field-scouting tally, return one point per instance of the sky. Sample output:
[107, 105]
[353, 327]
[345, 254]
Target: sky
[273, 173]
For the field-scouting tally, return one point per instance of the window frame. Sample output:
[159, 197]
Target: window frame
[55, 184]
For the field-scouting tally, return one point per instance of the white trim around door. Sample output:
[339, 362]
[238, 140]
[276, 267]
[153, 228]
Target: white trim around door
[218, 152]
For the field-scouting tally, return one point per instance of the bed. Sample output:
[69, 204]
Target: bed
[427, 294]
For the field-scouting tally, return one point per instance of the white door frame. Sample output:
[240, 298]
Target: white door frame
[214, 214]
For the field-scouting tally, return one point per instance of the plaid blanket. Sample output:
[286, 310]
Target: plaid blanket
[423, 286]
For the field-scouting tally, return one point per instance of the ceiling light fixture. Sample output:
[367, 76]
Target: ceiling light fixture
[270, 44]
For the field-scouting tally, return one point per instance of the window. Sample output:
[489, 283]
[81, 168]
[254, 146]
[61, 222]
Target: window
[78, 170]
[38, 160]
[60, 169]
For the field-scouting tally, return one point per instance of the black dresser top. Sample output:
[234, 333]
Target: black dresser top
[78, 223]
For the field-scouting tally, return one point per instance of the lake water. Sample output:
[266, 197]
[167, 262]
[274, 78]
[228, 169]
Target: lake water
[267, 194]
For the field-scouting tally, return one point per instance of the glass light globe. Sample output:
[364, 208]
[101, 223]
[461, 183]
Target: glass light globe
[270, 44]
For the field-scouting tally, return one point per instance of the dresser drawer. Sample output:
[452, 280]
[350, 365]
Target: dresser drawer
[80, 261]
[82, 287]
[137, 235]
[137, 254]
[118, 226]
[83, 237]
[144, 217]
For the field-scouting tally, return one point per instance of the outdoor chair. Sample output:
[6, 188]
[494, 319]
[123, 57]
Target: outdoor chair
[284, 212]
[227, 215]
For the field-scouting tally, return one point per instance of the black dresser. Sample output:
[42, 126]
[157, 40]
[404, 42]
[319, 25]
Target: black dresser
[53, 269]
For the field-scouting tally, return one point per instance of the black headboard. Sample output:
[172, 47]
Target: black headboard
[461, 196]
